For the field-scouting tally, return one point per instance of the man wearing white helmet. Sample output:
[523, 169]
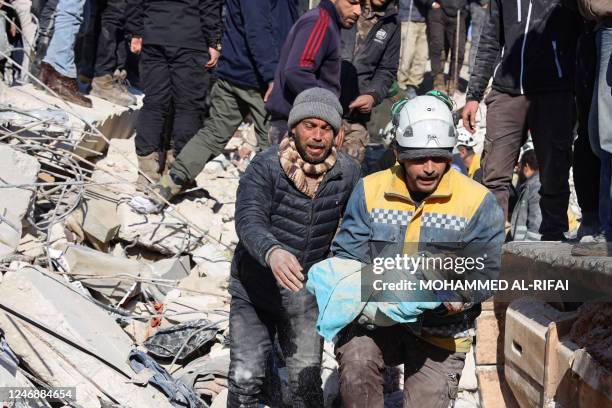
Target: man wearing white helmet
[471, 159]
[418, 203]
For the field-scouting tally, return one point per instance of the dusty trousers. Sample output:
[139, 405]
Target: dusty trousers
[442, 36]
[550, 118]
[253, 329]
[431, 374]
[171, 76]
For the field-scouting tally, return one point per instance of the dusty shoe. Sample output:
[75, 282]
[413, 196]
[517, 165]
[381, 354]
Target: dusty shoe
[168, 161]
[157, 196]
[106, 88]
[149, 165]
[439, 84]
[62, 85]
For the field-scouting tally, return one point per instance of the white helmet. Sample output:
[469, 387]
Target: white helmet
[424, 127]
[465, 138]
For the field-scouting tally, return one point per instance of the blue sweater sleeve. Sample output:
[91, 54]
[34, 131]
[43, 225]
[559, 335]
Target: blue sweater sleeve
[307, 53]
[260, 39]
[353, 237]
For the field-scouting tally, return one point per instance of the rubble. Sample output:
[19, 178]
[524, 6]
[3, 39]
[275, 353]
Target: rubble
[65, 349]
[16, 168]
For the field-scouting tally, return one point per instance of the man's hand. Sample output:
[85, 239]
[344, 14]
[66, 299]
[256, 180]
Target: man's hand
[214, 58]
[435, 5]
[13, 29]
[340, 137]
[469, 116]
[286, 269]
[364, 103]
[268, 91]
[136, 45]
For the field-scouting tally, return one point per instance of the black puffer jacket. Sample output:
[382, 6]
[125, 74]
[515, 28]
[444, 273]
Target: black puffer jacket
[373, 69]
[270, 211]
[528, 46]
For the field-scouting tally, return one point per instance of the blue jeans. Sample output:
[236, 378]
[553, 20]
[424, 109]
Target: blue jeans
[68, 19]
[600, 126]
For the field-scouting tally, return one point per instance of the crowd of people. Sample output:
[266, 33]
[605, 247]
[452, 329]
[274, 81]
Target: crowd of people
[310, 81]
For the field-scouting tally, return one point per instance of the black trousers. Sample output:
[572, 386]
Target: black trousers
[586, 163]
[441, 36]
[112, 49]
[253, 328]
[170, 76]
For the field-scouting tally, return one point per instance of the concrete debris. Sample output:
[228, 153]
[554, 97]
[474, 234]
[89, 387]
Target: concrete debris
[97, 366]
[593, 331]
[100, 220]
[15, 168]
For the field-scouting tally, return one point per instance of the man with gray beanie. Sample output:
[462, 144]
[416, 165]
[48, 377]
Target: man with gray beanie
[409, 210]
[289, 203]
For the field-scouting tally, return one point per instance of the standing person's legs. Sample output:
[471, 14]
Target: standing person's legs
[600, 126]
[250, 351]
[226, 114]
[419, 61]
[356, 139]
[506, 132]
[252, 100]
[585, 163]
[407, 51]
[457, 47]
[46, 21]
[479, 17]
[109, 39]
[431, 374]
[278, 130]
[435, 39]
[302, 347]
[28, 29]
[189, 81]
[155, 74]
[60, 54]
[551, 120]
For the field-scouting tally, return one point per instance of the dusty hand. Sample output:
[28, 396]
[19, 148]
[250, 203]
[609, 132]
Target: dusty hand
[13, 30]
[214, 58]
[268, 92]
[136, 45]
[435, 5]
[469, 116]
[454, 307]
[286, 269]
[364, 103]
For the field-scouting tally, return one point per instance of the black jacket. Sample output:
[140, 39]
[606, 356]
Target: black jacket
[373, 69]
[192, 24]
[270, 212]
[530, 52]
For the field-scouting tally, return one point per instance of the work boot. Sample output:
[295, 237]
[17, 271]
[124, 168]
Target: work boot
[120, 78]
[149, 165]
[106, 88]
[439, 84]
[592, 246]
[65, 87]
[168, 162]
[167, 188]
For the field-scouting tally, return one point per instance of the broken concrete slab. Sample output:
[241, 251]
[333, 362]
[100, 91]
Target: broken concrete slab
[15, 168]
[213, 260]
[54, 360]
[113, 121]
[100, 220]
[186, 308]
[105, 274]
[172, 270]
[120, 165]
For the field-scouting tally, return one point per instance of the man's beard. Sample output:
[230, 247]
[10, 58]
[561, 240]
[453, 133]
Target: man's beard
[306, 157]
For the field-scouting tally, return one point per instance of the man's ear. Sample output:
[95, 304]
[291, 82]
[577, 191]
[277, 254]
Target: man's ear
[340, 138]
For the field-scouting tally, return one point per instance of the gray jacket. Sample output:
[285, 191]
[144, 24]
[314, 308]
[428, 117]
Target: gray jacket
[526, 217]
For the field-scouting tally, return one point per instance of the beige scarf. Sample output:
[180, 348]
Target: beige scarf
[305, 176]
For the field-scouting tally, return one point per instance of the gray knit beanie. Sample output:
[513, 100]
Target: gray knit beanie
[317, 103]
